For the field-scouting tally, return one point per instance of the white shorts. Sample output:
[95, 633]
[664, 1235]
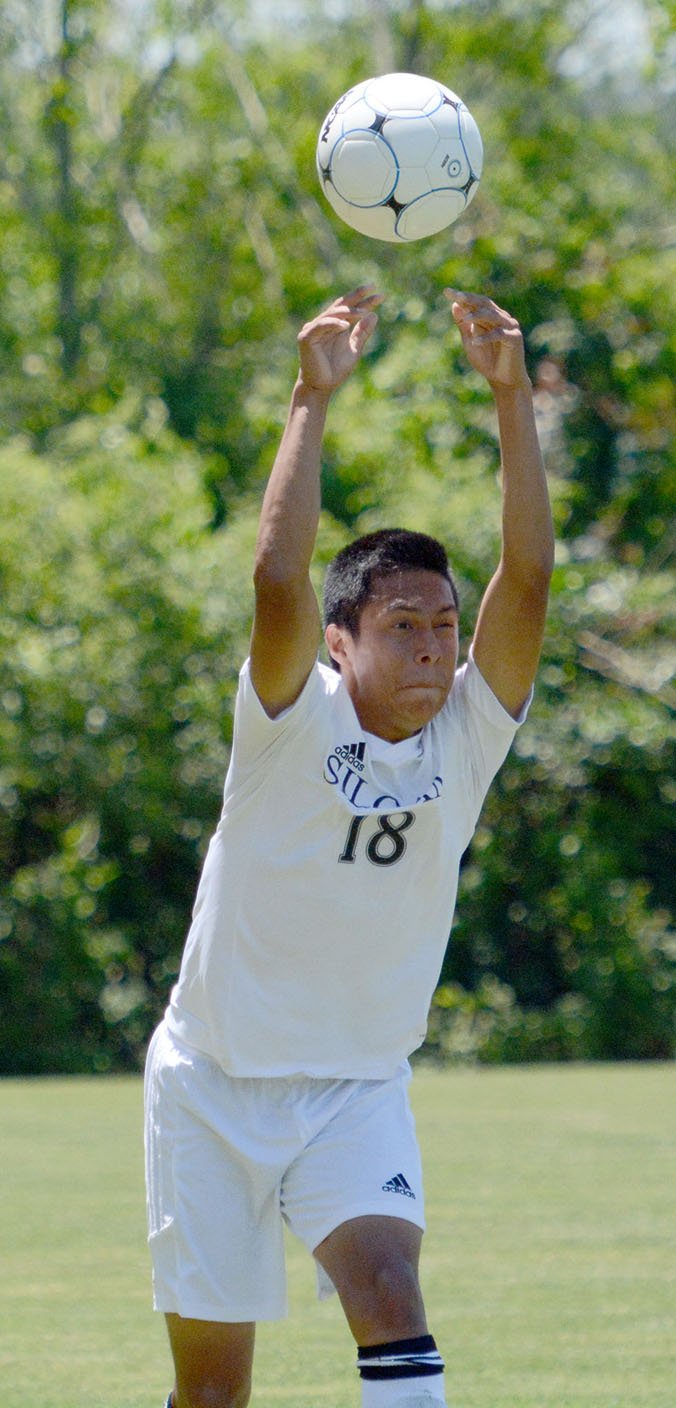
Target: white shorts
[230, 1159]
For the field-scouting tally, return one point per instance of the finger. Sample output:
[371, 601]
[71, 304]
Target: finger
[490, 327]
[459, 299]
[472, 324]
[495, 335]
[352, 315]
[329, 324]
[361, 310]
[462, 307]
[363, 330]
[479, 307]
[363, 291]
[470, 300]
[324, 325]
[348, 307]
[341, 311]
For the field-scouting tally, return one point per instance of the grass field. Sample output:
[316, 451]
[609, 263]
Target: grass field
[549, 1266]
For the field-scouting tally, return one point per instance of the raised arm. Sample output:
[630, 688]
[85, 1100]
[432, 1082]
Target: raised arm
[286, 629]
[510, 625]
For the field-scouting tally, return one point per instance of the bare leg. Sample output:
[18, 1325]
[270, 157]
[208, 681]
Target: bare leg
[213, 1362]
[373, 1263]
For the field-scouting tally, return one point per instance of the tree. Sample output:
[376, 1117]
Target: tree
[163, 236]
[120, 619]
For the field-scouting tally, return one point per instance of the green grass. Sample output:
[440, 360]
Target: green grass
[549, 1265]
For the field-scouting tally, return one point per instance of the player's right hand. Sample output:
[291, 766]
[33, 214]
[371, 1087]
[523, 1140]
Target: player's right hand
[330, 345]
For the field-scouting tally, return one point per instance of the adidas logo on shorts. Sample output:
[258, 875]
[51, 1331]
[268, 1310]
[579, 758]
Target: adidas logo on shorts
[399, 1184]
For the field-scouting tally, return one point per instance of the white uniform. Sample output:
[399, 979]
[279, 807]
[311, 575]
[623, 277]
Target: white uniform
[276, 1086]
[326, 898]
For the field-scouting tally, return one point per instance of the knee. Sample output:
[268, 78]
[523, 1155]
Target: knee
[212, 1363]
[397, 1299]
[212, 1394]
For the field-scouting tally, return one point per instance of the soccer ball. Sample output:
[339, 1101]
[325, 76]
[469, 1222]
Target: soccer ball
[399, 157]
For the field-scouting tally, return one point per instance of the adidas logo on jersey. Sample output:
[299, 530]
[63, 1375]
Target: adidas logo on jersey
[399, 1184]
[352, 753]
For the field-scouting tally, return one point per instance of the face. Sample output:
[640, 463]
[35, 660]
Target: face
[400, 667]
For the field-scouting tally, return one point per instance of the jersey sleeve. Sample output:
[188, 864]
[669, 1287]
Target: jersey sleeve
[255, 733]
[487, 728]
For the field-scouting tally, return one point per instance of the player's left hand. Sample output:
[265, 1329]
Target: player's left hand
[491, 337]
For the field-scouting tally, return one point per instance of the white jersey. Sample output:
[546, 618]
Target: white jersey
[325, 902]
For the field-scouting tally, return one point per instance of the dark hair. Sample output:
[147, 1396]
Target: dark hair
[350, 575]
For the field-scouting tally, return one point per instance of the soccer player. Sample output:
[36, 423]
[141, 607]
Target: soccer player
[277, 1083]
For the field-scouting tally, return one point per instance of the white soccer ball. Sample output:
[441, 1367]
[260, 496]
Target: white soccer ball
[399, 157]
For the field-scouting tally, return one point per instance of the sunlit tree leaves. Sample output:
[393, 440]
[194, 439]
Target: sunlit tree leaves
[163, 236]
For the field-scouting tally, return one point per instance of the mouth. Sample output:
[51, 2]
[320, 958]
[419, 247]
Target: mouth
[429, 686]
[422, 696]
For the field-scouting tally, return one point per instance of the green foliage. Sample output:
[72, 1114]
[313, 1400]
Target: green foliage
[163, 237]
[488, 1025]
[115, 699]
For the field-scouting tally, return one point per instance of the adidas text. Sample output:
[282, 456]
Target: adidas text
[352, 753]
[399, 1184]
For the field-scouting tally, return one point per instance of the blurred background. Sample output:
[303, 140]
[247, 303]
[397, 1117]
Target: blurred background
[162, 237]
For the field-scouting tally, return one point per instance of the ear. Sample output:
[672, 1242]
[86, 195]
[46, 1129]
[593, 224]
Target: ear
[335, 642]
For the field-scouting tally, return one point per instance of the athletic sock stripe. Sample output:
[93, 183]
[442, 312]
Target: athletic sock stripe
[418, 1344]
[386, 1360]
[401, 1359]
[401, 1371]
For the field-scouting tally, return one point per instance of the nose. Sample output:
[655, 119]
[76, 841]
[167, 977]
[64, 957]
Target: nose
[428, 651]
